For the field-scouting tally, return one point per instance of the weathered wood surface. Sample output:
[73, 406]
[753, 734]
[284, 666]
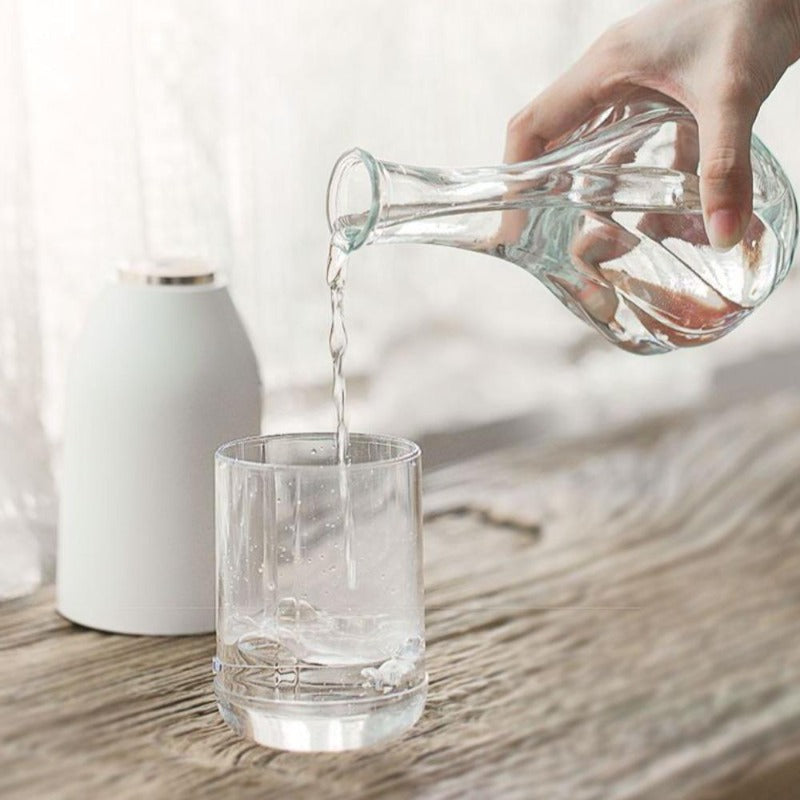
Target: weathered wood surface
[608, 619]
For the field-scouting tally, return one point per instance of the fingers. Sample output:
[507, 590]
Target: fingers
[726, 179]
[601, 74]
[599, 241]
[556, 111]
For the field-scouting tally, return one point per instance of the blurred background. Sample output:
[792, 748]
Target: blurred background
[208, 128]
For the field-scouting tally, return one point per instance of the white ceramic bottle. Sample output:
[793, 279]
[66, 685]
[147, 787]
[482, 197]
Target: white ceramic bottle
[162, 375]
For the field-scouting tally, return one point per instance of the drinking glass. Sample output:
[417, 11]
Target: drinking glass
[320, 615]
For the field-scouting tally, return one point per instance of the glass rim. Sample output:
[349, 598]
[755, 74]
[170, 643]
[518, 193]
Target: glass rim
[411, 451]
[338, 181]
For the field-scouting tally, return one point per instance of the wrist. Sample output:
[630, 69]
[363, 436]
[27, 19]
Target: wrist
[788, 12]
[780, 20]
[793, 20]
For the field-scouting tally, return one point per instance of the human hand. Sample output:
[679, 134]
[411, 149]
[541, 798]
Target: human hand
[719, 58]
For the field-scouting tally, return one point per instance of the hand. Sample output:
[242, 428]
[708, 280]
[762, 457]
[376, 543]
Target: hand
[719, 58]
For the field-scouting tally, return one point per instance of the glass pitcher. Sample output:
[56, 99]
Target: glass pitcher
[609, 220]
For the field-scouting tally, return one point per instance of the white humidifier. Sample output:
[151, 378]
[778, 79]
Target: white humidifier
[162, 375]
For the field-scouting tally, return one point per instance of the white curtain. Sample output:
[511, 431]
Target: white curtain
[208, 128]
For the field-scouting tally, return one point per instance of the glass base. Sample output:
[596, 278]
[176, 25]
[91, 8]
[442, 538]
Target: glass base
[329, 726]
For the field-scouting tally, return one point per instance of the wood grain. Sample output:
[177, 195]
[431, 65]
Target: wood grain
[610, 618]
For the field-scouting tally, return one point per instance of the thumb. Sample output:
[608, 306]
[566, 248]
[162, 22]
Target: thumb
[726, 178]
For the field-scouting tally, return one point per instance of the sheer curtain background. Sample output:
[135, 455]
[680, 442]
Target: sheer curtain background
[208, 128]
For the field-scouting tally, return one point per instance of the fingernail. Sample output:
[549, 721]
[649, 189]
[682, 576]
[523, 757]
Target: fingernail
[724, 229]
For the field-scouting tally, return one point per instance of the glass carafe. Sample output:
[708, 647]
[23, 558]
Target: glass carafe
[609, 220]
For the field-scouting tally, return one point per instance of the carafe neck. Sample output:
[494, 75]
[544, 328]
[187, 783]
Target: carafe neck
[373, 201]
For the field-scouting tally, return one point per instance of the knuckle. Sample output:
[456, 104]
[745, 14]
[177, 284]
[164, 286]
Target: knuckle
[516, 125]
[520, 126]
[745, 82]
[615, 59]
[617, 45]
[736, 91]
[725, 167]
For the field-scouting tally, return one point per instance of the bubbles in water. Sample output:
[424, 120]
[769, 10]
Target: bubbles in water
[397, 671]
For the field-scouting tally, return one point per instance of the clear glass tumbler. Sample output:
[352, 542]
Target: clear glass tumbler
[320, 614]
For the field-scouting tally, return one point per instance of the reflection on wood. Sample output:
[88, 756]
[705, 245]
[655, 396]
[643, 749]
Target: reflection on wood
[611, 618]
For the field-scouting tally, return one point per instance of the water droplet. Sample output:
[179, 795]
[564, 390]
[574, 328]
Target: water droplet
[313, 451]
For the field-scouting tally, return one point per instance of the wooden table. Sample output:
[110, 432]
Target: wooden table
[611, 617]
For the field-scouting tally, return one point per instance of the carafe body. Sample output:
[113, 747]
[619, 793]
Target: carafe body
[609, 220]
